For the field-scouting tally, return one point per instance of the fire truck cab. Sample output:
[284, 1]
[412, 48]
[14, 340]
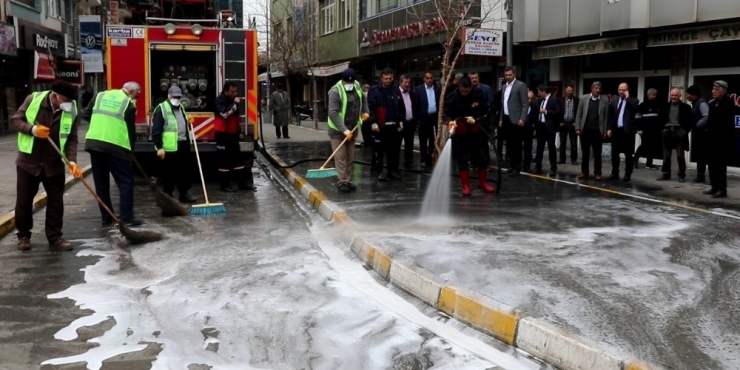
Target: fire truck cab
[198, 55]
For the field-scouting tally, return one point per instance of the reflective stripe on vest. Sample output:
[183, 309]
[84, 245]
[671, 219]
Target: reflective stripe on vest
[170, 132]
[107, 123]
[343, 96]
[25, 142]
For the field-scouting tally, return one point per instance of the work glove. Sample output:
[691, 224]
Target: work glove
[160, 153]
[376, 128]
[74, 169]
[365, 116]
[470, 120]
[348, 134]
[41, 132]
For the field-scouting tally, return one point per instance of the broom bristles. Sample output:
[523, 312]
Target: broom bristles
[207, 209]
[320, 174]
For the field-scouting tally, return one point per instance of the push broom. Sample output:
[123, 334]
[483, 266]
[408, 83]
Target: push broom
[207, 208]
[322, 172]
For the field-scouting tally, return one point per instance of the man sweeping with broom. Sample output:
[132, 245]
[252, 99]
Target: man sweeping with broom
[347, 109]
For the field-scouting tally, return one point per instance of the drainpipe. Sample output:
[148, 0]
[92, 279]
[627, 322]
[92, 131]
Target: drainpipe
[510, 33]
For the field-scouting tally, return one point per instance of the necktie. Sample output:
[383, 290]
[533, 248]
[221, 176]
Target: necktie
[542, 106]
[619, 113]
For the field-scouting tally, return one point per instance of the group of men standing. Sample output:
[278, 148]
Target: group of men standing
[53, 116]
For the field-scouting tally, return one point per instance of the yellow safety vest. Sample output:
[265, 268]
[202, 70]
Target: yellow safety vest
[343, 96]
[107, 123]
[25, 142]
[170, 131]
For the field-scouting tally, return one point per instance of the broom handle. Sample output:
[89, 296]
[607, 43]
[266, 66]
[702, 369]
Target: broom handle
[64, 158]
[139, 166]
[336, 150]
[197, 156]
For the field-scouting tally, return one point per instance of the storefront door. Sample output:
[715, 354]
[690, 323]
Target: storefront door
[660, 83]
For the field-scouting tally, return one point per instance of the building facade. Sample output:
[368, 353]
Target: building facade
[658, 44]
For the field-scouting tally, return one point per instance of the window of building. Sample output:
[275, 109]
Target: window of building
[30, 3]
[328, 17]
[714, 55]
[345, 14]
[386, 5]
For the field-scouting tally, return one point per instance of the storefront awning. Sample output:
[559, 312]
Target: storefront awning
[262, 77]
[328, 71]
[695, 35]
[598, 46]
[42, 67]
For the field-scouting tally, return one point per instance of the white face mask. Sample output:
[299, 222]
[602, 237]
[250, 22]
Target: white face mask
[349, 87]
[67, 107]
[175, 102]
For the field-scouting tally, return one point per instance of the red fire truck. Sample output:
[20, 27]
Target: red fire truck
[198, 55]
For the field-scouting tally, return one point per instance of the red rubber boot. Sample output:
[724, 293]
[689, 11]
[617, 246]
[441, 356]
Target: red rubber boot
[482, 183]
[465, 179]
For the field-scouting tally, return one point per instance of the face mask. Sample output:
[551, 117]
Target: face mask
[175, 102]
[349, 87]
[67, 107]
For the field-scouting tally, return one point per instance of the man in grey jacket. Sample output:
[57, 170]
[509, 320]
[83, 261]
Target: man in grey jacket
[347, 109]
[591, 118]
[514, 117]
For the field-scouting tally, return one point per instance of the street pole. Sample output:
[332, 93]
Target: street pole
[267, 34]
[510, 33]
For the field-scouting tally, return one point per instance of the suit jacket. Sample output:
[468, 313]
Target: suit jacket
[422, 105]
[582, 113]
[517, 102]
[628, 119]
[532, 116]
[552, 117]
[576, 101]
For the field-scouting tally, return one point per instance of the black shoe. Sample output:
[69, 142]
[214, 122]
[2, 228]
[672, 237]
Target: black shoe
[575, 163]
[664, 178]
[653, 167]
[381, 177]
[344, 188]
[698, 180]
[709, 192]
[133, 222]
[352, 186]
[682, 179]
[614, 176]
[720, 194]
[627, 178]
[287, 137]
[227, 189]
[187, 198]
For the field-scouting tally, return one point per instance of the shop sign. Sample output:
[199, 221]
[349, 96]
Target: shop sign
[7, 39]
[37, 39]
[72, 71]
[695, 35]
[43, 66]
[404, 32]
[119, 32]
[483, 41]
[584, 48]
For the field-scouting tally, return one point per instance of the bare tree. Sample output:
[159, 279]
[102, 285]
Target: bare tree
[458, 18]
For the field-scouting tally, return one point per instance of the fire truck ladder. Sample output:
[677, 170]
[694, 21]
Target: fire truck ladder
[235, 60]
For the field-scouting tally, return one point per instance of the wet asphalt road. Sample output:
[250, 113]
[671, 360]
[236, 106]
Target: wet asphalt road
[251, 287]
[654, 281]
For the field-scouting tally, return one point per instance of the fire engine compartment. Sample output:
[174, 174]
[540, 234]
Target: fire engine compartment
[194, 71]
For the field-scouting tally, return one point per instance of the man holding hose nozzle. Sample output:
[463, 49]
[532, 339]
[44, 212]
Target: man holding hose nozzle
[468, 139]
[43, 116]
[347, 109]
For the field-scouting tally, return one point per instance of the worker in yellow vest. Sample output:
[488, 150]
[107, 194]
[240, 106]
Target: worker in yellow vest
[171, 136]
[110, 141]
[44, 116]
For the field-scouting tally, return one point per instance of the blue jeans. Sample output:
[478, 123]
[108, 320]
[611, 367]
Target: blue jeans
[104, 165]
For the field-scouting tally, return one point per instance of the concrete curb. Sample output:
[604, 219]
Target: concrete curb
[7, 221]
[537, 337]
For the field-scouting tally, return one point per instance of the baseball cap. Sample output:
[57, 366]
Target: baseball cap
[175, 91]
[348, 75]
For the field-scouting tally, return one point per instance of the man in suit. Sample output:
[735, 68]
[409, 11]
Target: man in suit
[591, 118]
[546, 128]
[677, 118]
[569, 105]
[528, 131]
[427, 116]
[514, 104]
[622, 130]
[720, 126]
[408, 121]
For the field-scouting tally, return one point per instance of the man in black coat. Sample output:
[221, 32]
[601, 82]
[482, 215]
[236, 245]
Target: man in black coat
[721, 135]
[676, 118]
[622, 129]
[700, 112]
[546, 127]
[649, 127]
[427, 96]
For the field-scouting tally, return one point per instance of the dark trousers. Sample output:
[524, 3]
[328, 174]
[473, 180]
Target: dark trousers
[27, 186]
[622, 142]
[674, 138]
[389, 146]
[103, 166]
[568, 130]
[527, 138]
[545, 137]
[178, 169]
[645, 149]
[514, 136]
[368, 141]
[284, 130]
[699, 150]
[468, 148]
[591, 139]
[231, 164]
[427, 134]
[407, 135]
[500, 138]
[718, 175]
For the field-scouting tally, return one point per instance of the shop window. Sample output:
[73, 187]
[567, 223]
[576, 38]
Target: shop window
[328, 17]
[714, 55]
[664, 57]
[623, 61]
[386, 5]
[345, 14]
[56, 9]
[30, 3]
